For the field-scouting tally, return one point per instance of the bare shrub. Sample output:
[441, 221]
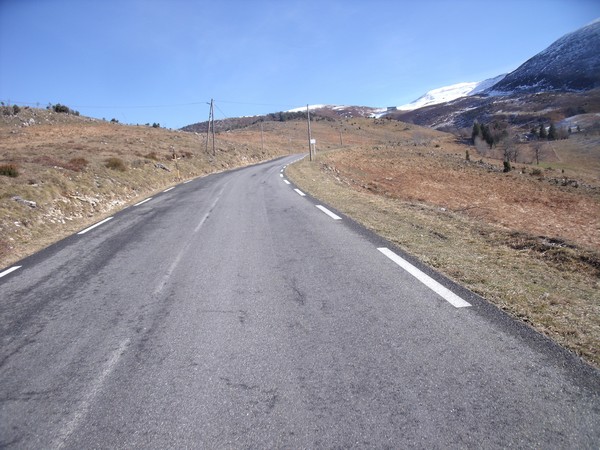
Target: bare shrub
[116, 164]
[76, 164]
[152, 155]
[9, 170]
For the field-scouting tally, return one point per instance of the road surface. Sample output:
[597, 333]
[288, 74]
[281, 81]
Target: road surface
[232, 312]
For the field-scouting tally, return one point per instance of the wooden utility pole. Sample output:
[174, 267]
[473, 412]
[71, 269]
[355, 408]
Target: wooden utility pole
[211, 122]
[310, 150]
[262, 140]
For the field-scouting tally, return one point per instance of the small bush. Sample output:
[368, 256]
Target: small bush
[116, 164]
[536, 172]
[152, 155]
[16, 109]
[9, 170]
[62, 109]
[77, 164]
[507, 167]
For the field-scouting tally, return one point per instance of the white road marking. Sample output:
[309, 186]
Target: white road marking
[143, 201]
[167, 190]
[7, 271]
[436, 287]
[281, 175]
[286, 181]
[300, 192]
[329, 213]
[188, 181]
[88, 398]
[94, 226]
[208, 213]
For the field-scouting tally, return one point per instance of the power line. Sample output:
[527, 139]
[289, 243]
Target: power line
[167, 105]
[224, 115]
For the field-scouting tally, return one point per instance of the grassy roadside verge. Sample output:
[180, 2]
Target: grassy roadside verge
[548, 287]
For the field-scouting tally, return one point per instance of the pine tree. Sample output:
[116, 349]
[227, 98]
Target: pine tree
[543, 134]
[476, 131]
[534, 131]
[552, 133]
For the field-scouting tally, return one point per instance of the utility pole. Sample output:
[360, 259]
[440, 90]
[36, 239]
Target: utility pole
[310, 150]
[262, 140]
[341, 141]
[211, 122]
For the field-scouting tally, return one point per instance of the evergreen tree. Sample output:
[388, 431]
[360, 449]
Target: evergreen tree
[543, 134]
[534, 131]
[552, 133]
[476, 131]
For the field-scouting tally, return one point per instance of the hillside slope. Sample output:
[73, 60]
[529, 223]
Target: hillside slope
[73, 171]
[570, 63]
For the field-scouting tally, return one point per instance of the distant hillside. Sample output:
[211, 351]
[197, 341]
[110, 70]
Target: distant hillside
[519, 109]
[560, 82]
[570, 63]
[449, 93]
[317, 113]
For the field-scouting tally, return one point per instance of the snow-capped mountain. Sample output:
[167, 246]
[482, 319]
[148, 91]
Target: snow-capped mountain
[570, 63]
[449, 93]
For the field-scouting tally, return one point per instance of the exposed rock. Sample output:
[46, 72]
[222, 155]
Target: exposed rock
[29, 203]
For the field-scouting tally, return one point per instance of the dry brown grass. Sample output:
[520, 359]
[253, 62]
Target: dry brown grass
[62, 163]
[524, 243]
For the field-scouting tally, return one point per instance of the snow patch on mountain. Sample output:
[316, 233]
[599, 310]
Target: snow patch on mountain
[310, 108]
[449, 93]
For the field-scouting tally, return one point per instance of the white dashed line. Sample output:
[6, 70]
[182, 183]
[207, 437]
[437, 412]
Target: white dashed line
[188, 181]
[436, 287]
[329, 213]
[94, 226]
[281, 175]
[171, 188]
[286, 181]
[300, 192]
[7, 271]
[143, 201]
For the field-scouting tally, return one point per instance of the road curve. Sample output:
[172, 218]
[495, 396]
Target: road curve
[232, 312]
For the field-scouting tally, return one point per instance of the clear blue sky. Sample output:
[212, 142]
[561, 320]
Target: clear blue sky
[145, 61]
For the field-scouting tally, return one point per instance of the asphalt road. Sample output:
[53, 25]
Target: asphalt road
[231, 312]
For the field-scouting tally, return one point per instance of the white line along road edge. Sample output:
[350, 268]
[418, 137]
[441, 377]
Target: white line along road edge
[286, 181]
[94, 226]
[302, 194]
[143, 201]
[7, 271]
[329, 213]
[436, 287]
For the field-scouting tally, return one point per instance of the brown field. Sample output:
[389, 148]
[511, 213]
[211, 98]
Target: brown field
[528, 240]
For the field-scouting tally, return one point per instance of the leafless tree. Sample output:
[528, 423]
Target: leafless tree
[510, 147]
[538, 151]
